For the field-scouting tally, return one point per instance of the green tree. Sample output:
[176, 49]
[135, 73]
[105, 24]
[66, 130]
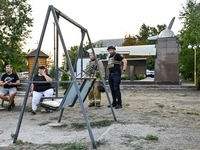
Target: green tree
[189, 34]
[53, 71]
[144, 33]
[64, 77]
[14, 23]
[73, 51]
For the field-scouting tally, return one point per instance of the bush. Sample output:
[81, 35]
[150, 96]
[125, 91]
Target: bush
[53, 71]
[64, 77]
[139, 76]
[198, 78]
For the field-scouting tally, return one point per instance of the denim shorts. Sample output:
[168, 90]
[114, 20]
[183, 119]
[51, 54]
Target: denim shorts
[8, 90]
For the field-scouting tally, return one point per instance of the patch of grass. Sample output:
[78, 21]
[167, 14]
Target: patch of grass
[183, 95]
[12, 135]
[44, 123]
[102, 123]
[160, 105]
[101, 142]
[64, 125]
[5, 105]
[54, 118]
[69, 146]
[191, 113]
[127, 105]
[154, 112]
[151, 137]
[98, 124]
[78, 126]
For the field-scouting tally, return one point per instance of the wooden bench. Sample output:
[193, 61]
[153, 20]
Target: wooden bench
[21, 89]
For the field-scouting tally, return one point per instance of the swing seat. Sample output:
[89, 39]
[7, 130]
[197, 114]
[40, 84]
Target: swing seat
[71, 95]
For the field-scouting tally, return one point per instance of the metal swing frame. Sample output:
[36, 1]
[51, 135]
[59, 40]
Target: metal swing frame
[56, 14]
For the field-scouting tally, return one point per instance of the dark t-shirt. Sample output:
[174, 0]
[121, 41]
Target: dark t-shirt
[116, 67]
[12, 78]
[40, 87]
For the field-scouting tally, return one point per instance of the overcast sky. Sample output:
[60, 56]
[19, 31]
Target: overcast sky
[104, 19]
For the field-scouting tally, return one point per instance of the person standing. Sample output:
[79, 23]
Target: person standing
[40, 89]
[94, 94]
[9, 81]
[114, 65]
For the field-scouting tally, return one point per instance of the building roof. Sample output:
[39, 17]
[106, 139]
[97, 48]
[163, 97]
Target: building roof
[33, 53]
[145, 50]
[107, 42]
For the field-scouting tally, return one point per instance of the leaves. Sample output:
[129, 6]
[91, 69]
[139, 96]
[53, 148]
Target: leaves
[189, 34]
[14, 23]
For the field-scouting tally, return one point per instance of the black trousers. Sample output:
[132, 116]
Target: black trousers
[114, 82]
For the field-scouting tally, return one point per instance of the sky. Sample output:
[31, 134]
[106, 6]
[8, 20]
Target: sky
[104, 19]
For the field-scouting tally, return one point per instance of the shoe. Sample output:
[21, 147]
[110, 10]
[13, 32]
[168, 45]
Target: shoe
[113, 105]
[9, 108]
[13, 104]
[33, 113]
[98, 105]
[118, 107]
[91, 105]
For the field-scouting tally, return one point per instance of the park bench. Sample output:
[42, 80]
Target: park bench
[21, 89]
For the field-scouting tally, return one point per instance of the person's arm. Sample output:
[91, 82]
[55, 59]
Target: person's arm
[32, 88]
[14, 83]
[2, 83]
[124, 65]
[46, 77]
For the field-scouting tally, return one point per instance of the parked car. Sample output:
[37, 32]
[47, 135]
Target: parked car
[23, 75]
[149, 73]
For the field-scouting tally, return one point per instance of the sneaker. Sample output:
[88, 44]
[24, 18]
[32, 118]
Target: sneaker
[9, 108]
[118, 107]
[113, 105]
[13, 104]
[91, 105]
[33, 113]
[98, 105]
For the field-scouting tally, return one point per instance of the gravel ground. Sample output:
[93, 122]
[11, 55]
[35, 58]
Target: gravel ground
[173, 116]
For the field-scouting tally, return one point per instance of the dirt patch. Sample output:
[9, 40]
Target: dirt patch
[171, 115]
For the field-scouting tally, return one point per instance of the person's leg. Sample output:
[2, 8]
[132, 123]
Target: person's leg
[111, 84]
[35, 100]
[117, 81]
[97, 94]
[91, 97]
[12, 92]
[3, 92]
[48, 93]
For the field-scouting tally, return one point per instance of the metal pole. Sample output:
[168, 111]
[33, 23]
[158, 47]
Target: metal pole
[102, 78]
[74, 78]
[195, 59]
[31, 77]
[54, 39]
[57, 54]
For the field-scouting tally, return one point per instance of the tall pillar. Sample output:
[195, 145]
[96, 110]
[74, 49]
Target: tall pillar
[167, 61]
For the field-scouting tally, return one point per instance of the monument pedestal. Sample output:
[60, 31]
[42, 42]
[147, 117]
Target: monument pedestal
[167, 61]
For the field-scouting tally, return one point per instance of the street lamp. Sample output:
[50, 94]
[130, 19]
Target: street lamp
[195, 48]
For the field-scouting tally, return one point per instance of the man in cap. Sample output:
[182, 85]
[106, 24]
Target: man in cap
[114, 65]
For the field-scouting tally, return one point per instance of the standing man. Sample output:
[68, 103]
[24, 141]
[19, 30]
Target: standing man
[94, 93]
[114, 65]
[10, 81]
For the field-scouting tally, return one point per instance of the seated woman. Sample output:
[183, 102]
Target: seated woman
[40, 89]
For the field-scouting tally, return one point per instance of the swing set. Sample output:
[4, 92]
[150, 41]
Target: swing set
[78, 88]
